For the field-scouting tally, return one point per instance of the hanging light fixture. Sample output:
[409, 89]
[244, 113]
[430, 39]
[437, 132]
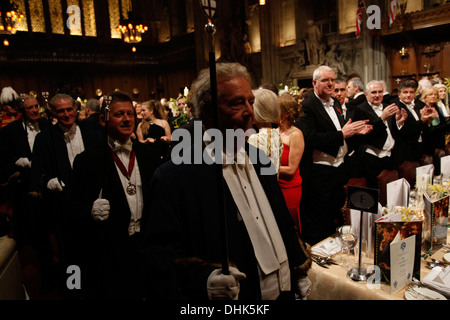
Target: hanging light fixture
[131, 32]
[262, 2]
[9, 17]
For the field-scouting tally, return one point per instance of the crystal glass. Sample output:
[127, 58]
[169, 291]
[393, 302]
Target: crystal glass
[348, 238]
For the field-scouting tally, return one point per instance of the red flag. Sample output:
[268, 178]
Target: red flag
[359, 12]
[392, 11]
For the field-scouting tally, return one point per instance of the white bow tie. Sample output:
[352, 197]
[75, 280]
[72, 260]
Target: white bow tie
[328, 103]
[411, 105]
[117, 146]
[32, 126]
[70, 134]
[378, 108]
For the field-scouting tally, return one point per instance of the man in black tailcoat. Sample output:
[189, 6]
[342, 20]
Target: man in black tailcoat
[110, 189]
[182, 243]
[16, 143]
[378, 153]
[328, 141]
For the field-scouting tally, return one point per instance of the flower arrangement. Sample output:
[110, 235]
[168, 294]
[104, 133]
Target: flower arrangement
[293, 90]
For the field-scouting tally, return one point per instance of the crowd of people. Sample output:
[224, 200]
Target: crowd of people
[106, 191]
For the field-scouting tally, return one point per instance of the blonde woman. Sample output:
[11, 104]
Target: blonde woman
[439, 126]
[443, 99]
[153, 129]
[267, 113]
[290, 180]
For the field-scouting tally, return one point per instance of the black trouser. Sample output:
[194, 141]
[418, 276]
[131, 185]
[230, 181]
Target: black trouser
[323, 197]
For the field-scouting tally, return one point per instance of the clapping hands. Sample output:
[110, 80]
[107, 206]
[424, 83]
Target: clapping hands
[428, 114]
[358, 127]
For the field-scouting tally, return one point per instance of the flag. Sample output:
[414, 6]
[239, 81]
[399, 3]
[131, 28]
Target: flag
[359, 17]
[392, 10]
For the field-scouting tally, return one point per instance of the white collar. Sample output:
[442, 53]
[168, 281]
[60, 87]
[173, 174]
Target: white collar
[118, 146]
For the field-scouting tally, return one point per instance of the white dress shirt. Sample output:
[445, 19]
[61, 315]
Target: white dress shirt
[255, 210]
[74, 142]
[414, 113]
[320, 157]
[389, 143]
[135, 202]
[32, 130]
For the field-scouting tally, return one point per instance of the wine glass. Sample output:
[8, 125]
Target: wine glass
[348, 237]
[338, 240]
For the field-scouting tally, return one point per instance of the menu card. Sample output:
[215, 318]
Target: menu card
[397, 193]
[402, 261]
[435, 223]
[445, 168]
[387, 229]
[424, 176]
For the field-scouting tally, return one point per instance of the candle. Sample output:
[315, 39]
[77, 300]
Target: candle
[286, 88]
[186, 91]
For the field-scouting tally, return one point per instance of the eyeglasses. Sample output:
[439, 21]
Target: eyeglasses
[327, 80]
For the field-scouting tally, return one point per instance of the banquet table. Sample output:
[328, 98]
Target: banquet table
[332, 283]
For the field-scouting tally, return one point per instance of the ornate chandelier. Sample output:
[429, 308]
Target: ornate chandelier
[9, 17]
[131, 32]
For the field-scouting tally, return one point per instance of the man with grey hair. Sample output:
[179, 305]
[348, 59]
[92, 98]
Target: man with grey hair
[51, 177]
[16, 143]
[422, 85]
[182, 235]
[378, 153]
[355, 95]
[328, 141]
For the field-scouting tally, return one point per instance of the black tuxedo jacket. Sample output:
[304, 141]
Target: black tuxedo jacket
[106, 251]
[93, 120]
[182, 236]
[352, 104]
[319, 131]
[377, 137]
[408, 146]
[50, 157]
[14, 145]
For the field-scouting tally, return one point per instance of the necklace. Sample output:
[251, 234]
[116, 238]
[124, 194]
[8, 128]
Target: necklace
[131, 188]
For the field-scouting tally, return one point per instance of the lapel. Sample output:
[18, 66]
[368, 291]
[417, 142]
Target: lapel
[112, 188]
[368, 108]
[411, 117]
[336, 106]
[323, 113]
[22, 136]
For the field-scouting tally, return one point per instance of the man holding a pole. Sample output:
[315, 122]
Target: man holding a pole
[184, 232]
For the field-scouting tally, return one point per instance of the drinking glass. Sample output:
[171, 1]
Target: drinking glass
[338, 240]
[348, 237]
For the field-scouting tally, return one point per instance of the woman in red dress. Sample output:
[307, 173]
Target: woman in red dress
[290, 180]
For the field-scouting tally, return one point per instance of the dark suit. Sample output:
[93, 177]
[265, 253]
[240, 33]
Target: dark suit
[408, 146]
[106, 252]
[93, 120]
[371, 164]
[182, 242]
[50, 160]
[14, 145]
[323, 193]
[352, 104]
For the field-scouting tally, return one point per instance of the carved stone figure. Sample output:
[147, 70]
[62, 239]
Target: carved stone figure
[313, 39]
[334, 59]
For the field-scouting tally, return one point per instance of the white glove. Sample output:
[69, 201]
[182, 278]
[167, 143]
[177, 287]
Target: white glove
[23, 162]
[54, 185]
[304, 287]
[224, 287]
[100, 210]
